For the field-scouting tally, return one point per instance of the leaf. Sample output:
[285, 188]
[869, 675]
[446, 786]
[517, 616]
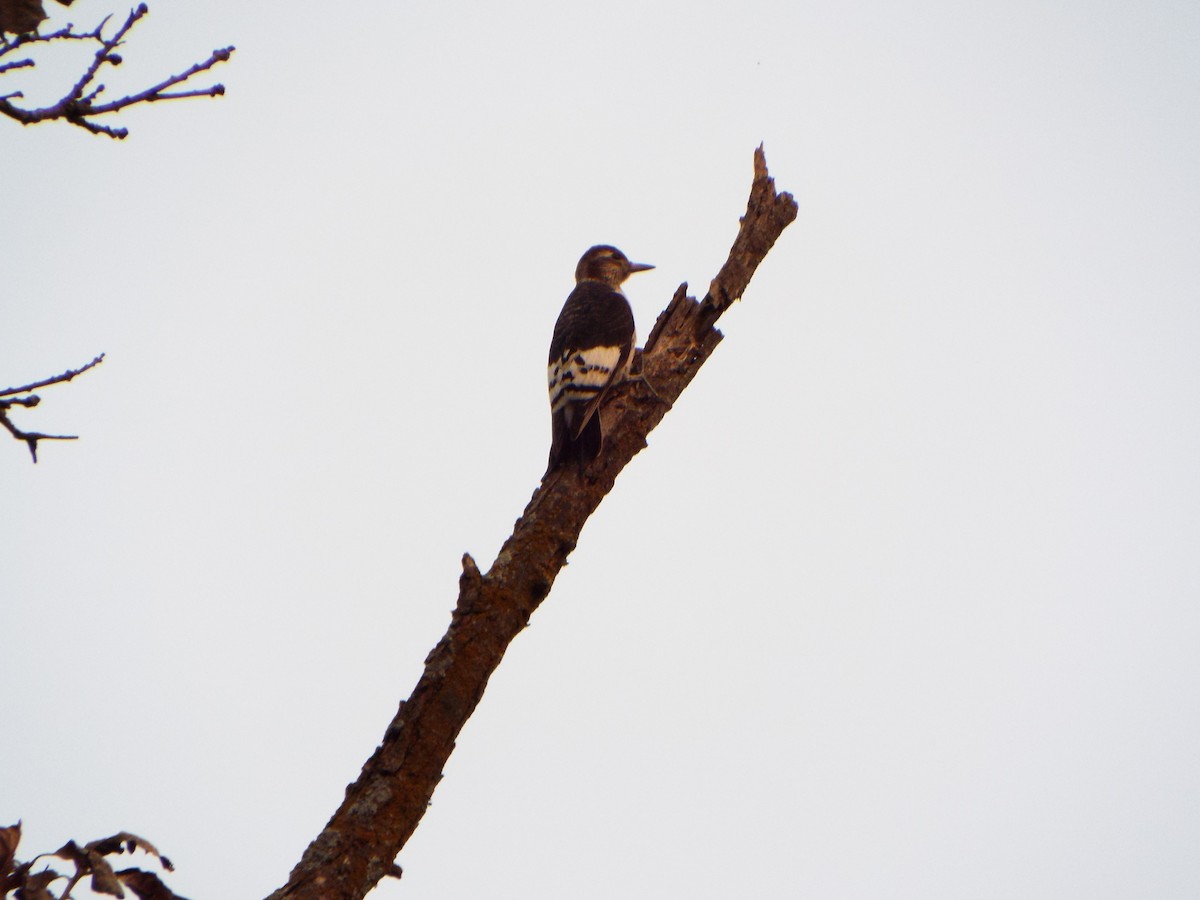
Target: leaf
[34, 887]
[127, 842]
[146, 885]
[88, 860]
[21, 16]
[104, 879]
[9, 838]
[71, 852]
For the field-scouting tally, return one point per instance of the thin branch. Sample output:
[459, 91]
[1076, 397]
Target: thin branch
[215, 91]
[66, 33]
[103, 55]
[74, 880]
[158, 92]
[31, 438]
[57, 379]
[383, 807]
[78, 106]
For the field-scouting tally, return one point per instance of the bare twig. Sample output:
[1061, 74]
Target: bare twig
[80, 105]
[71, 882]
[57, 379]
[383, 807]
[31, 438]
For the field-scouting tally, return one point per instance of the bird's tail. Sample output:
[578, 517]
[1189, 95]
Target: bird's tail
[581, 450]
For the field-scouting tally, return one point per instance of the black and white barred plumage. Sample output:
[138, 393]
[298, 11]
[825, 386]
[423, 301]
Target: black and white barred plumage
[591, 350]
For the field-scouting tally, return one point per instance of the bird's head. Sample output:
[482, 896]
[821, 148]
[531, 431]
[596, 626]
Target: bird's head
[607, 264]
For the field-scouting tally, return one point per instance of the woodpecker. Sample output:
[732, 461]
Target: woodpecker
[589, 353]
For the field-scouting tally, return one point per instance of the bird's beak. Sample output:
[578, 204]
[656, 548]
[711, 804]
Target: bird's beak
[639, 267]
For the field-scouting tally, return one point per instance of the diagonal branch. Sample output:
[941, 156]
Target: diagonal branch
[80, 105]
[383, 807]
[56, 379]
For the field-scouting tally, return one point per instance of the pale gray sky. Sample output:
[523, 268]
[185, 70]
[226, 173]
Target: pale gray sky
[902, 600]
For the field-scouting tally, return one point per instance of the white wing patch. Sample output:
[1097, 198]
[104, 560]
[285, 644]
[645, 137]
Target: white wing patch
[579, 375]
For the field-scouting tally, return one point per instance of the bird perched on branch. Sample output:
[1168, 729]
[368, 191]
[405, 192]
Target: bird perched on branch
[590, 352]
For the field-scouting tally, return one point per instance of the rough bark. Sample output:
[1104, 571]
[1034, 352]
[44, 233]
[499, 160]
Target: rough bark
[383, 807]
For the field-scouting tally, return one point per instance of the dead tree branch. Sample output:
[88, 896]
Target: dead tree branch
[81, 103]
[29, 402]
[381, 810]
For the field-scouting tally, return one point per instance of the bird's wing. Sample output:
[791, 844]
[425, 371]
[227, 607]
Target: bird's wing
[619, 357]
[590, 351]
